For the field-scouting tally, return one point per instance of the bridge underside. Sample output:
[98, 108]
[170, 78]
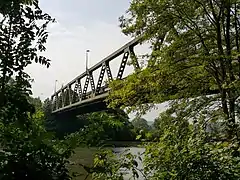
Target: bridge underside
[94, 104]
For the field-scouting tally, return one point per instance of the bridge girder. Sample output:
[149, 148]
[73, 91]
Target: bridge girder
[67, 99]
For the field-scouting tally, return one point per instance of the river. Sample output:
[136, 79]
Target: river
[85, 156]
[135, 151]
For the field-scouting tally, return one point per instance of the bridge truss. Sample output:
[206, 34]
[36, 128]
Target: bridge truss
[75, 94]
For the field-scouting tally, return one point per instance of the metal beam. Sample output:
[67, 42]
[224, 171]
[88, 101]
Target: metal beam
[123, 64]
[109, 73]
[92, 82]
[85, 86]
[118, 52]
[86, 101]
[69, 94]
[100, 78]
[62, 94]
[56, 101]
[66, 92]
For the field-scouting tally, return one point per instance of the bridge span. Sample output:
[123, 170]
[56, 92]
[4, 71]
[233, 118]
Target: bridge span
[75, 98]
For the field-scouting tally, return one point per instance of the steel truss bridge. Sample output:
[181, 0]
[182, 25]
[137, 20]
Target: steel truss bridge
[75, 98]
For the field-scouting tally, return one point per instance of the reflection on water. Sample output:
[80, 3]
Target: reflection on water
[135, 151]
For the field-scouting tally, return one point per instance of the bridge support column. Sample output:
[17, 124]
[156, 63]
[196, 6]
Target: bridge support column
[65, 116]
[65, 123]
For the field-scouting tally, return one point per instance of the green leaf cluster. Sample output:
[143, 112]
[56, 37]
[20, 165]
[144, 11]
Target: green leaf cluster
[32, 153]
[27, 151]
[108, 165]
[187, 151]
[102, 127]
[194, 65]
[195, 52]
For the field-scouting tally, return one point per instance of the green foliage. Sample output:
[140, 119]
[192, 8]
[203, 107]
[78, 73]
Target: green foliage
[108, 165]
[105, 126]
[37, 103]
[195, 52]
[92, 129]
[47, 108]
[141, 128]
[194, 65]
[62, 125]
[185, 152]
[182, 151]
[17, 106]
[27, 150]
[32, 153]
[140, 124]
[23, 35]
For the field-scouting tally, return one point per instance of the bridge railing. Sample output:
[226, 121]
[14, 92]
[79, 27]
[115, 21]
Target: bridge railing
[76, 90]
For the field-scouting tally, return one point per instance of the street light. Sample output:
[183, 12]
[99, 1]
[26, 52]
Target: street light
[41, 95]
[87, 51]
[55, 86]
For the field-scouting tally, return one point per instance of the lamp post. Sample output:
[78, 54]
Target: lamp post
[41, 96]
[55, 86]
[87, 51]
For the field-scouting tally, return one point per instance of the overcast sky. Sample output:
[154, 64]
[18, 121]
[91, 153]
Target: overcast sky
[81, 25]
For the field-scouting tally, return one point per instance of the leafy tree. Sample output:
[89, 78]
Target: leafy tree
[37, 103]
[27, 151]
[102, 127]
[32, 153]
[21, 40]
[194, 65]
[140, 124]
[184, 152]
[50, 122]
[195, 52]
[47, 107]
[108, 165]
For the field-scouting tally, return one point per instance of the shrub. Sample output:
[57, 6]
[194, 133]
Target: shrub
[31, 153]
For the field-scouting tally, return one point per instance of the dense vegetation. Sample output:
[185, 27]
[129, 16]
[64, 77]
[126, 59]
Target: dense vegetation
[27, 150]
[194, 65]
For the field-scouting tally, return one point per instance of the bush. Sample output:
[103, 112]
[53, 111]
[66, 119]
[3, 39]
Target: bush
[31, 153]
[184, 152]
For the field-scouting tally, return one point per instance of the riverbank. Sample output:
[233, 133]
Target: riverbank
[85, 156]
[123, 144]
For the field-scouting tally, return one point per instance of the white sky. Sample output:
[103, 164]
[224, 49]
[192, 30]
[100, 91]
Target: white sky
[81, 25]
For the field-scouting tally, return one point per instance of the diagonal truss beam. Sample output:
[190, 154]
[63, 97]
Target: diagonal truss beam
[77, 92]
[123, 64]
[92, 81]
[100, 79]
[86, 86]
[68, 97]
[109, 73]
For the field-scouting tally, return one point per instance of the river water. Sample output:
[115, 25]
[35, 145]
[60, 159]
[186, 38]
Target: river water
[135, 151]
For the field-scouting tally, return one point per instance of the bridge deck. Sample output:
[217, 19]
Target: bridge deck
[99, 99]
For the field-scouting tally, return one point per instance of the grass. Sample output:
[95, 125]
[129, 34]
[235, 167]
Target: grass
[83, 156]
